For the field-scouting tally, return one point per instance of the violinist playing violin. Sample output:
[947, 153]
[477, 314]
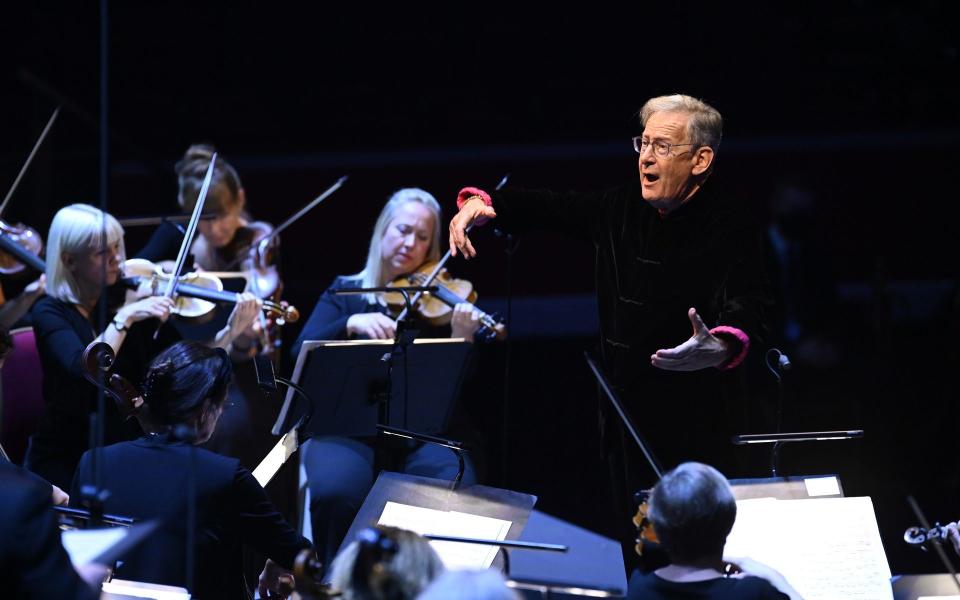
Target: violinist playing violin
[341, 470]
[229, 242]
[85, 251]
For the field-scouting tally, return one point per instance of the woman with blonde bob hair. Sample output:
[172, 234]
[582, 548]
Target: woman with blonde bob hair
[340, 470]
[85, 254]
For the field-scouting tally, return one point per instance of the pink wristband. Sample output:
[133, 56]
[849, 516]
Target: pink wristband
[469, 192]
[744, 345]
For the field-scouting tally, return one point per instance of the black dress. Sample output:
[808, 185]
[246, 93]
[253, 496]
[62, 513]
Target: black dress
[62, 334]
[148, 479]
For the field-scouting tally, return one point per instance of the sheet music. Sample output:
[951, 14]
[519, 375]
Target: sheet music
[437, 522]
[827, 548]
[275, 459]
[122, 589]
[84, 545]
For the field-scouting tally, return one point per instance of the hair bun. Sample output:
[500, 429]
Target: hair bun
[199, 152]
[157, 380]
[195, 159]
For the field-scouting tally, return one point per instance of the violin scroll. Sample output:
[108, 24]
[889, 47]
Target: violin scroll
[97, 360]
[641, 520]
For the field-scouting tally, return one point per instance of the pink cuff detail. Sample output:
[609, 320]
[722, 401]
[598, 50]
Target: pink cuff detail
[468, 192]
[744, 340]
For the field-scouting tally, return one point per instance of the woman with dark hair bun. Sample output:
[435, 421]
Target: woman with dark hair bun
[184, 393]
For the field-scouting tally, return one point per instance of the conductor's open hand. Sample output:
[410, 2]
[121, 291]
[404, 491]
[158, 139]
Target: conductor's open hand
[471, 211]
[701, 351]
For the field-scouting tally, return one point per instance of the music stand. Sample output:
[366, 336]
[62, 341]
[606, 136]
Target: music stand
[425, 492]
[347, 382]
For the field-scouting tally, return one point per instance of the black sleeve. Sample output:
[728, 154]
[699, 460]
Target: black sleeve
[578, 214]
[260, 525]
[328, 321]
[56, 336]
[43, 565]
[164, 244]
[746, 300]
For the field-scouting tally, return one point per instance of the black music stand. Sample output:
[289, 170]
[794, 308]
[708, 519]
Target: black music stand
[592, 567]
[348, 384]
[425, 492]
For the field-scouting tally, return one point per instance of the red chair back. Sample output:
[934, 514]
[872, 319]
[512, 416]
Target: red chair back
[21, 394]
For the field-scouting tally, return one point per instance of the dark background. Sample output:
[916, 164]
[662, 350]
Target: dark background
[854, 103]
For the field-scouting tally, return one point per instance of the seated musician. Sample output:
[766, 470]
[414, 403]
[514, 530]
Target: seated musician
[692, 510]
[33, 563]
[341, 470]
[80, 264]
[224, 241]
[184, 391]
[223, 245]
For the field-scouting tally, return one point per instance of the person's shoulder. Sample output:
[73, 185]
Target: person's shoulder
[49, 305]
[345, 281]
[20, 488]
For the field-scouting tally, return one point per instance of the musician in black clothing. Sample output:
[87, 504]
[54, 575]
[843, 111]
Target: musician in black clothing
[184, 391]
[675, 252]
[692, 510]
[33, 563]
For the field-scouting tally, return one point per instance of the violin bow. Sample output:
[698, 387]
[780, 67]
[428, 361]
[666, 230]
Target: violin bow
[290, 221]
[26, 165]
[188, 237]
[436, 270]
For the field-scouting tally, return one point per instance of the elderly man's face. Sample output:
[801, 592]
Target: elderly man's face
[669, 181]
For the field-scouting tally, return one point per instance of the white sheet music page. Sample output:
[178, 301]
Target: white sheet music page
[427, 521]
[827, 548]
[84, 545]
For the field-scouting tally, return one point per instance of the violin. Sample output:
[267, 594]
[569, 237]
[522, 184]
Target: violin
[20, 247]
[437, 307]
[261, 261]
[196, 294]
[645, 531]
[26, 238]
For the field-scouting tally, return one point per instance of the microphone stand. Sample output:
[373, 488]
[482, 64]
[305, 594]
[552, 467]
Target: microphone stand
[455, 446]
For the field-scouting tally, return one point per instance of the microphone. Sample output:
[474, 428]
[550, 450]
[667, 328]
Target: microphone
[266, 378]
[784, 362]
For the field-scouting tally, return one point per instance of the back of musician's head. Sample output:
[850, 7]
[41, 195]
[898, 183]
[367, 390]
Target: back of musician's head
[185, 382]
[385, 563]
[77, 228]
[224, 194]
[692, 509]
[372, 273]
